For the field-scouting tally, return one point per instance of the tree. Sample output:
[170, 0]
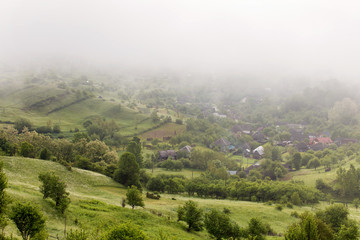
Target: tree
[256, 229]
[28, 219]
[314, 163]
[128, 172]
[126, 231]
[296, 161]
[45, 154]
[21, 123]
[219, 225]
[135, 148]
[27, 150]
[349, 232]
[335, 215]
[134, 198]
[295, 199]
[356, 203]
[192, 215]
[52, 187]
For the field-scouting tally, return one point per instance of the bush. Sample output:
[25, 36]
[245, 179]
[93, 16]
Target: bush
[279, 207]
[27, 150]
[125, 231]
[29, 221]
[153, 196]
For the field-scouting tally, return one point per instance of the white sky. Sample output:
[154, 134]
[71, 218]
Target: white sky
[276, 37]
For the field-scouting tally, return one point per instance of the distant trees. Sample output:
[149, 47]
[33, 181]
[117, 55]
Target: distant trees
[128, 171]
[343, 112]
[134, 198]
[328, 224]
[29, 221]
[52, 187]
[192, 215]
[348, 181]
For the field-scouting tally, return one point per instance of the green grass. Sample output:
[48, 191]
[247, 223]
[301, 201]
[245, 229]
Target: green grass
[187, 173]
[309, 176]
[96, 199]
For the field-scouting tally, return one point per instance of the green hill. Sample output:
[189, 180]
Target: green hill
[96, 203]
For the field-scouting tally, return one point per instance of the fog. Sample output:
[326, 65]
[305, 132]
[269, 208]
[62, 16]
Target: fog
[264, 38]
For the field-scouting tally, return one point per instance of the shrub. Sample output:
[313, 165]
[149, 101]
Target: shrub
[279, 207]
[125, 232]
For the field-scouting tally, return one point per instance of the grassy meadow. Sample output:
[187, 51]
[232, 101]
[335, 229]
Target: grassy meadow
[96, 203]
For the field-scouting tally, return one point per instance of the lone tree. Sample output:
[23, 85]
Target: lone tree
[128, 172]
[52, 187]
[28, 219]
[134, 198]
[192, 215]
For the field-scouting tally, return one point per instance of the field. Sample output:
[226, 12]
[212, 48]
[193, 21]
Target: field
[95, 203]
[166, 130]
[187, 173]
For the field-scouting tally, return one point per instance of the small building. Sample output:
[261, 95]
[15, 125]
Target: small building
[258, 152]
[222, 143]
[164, 155]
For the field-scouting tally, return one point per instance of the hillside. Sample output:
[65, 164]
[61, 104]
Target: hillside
[95, 203]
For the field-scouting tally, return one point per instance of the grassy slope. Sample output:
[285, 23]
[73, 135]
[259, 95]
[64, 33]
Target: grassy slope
[15, 104]
[88, 188]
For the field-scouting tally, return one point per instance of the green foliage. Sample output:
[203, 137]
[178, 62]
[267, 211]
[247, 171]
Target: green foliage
[28, 219]
[3, 185]
[27, 150]
[256, 229]
[135, 148]
[348, 181]
[296, 161]
[77, 235]
[52, 187]
[192, 215]
[334, 215]
[348, 232]
[127, 231]
[219, 225]
[295, 199]
[314, 163]
[21, 123]
[134, 198]
[45, 154]
[128, 172]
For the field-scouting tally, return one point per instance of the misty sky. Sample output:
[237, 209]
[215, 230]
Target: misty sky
[279, 37]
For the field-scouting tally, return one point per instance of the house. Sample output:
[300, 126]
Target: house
[185, 151]
[222, 143]
[243, 128]
[164, 155]
[254, 166]
[259, 137]
[258, 152]
[231, 173]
